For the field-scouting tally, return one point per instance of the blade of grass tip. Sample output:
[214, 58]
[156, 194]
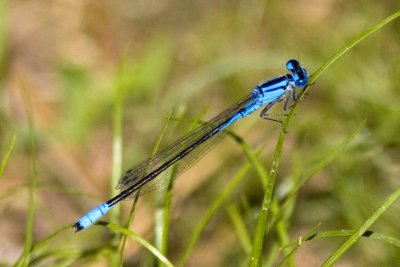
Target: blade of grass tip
[343, 51]
[217, 203]
[340, 233]
[6, 156]
[363, 228]
[351, 44]
[115, 214]
[255, 259]
[295, 246]
[141, 241]
[30, 224]
[132, 211]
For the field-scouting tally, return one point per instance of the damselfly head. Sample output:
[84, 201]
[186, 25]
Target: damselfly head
[299, 74]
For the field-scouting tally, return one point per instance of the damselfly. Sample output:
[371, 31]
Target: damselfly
[191, 147]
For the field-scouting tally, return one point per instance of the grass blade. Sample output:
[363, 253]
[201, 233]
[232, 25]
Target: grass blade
[163, 203]
[221, 199]
[353, 43]
[142, 242]
[363, 228]
[240, 228]
[115, 259]
[132, 211]
[6, 156]
[340, 233]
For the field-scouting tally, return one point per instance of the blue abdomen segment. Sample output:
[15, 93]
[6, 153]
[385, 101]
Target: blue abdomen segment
[91, 217]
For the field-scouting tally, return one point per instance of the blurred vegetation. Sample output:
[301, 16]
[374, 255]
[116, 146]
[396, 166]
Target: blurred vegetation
[60, 62]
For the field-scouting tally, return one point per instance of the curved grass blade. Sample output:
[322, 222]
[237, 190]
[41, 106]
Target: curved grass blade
[351, 44]
[363, 229]
[142, 242]
[240, 227]
[340, 233]
[218, 202]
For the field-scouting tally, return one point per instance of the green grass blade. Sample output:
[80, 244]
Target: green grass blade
[253, 157]
[280, 213]
[295, 246]
[325, 161]
[115, 259]
[353, 43]
[164, 196]
[263, 176]
[282, 230]
[132, 211]
[117, 135]
[6, 156]
[363, 228]
[240, 227]
[165, 215]
[340, 233]
[163, 204]
[124, 237]
[255, 259]
[142, 242]
[218, 202]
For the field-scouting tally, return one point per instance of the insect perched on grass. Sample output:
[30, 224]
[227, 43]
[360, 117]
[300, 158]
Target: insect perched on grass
[194, 145]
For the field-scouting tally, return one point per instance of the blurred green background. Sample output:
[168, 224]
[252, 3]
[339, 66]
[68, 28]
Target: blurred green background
[63, 60]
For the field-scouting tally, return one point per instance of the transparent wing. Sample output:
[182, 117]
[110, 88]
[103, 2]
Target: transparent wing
[137, 173]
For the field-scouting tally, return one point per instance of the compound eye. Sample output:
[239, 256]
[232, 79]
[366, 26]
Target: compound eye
[292, 65]
[299, 74]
